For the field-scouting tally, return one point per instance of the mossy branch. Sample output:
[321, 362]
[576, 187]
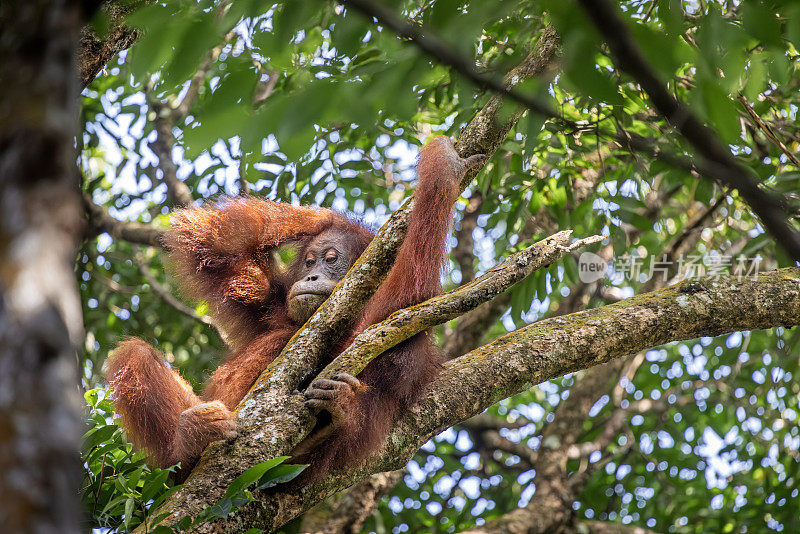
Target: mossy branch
[407, 322]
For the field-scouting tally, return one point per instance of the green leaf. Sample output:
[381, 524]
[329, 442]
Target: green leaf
[779, 68]
[662, 50]
[280, 474]
[670, 13]
[154, 47]
[199, 37]
[219, 510]
[219, 123]
[533, 125]
[722, 111]
[252, 474]
[793, 26]
[293, 17]
[761, 22]
[98, 435]
[153, 484]
[186, 522]
[756, 75]
[348, 33]
[129, 504]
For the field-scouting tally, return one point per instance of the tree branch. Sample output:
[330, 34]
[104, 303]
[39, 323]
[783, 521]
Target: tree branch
[719, 162]
[101, 221]
[93, 52]
[162, 146]
[407, 322]
[553, 347]
[764, 127]
[513, 363]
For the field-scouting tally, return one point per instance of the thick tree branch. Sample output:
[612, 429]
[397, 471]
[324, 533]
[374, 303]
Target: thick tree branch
[719, 162]
[273, 418]
[516, 361]
[553, 347]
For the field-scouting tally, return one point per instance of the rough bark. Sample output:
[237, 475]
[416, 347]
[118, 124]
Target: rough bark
[40, 318]
[541, 351]
[272, 417]
[94, 50]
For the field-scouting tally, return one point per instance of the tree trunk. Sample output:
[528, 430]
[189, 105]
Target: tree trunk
[40, 222]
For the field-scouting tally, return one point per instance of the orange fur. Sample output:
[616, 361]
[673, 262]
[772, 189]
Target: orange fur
[221, 252]
[148, 397]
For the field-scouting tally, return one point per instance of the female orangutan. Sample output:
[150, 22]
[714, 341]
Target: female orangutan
[223, 254]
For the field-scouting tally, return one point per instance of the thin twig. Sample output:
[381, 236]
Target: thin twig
[764, 127]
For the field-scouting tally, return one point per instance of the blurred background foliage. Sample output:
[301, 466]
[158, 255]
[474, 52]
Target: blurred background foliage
[310, 102]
